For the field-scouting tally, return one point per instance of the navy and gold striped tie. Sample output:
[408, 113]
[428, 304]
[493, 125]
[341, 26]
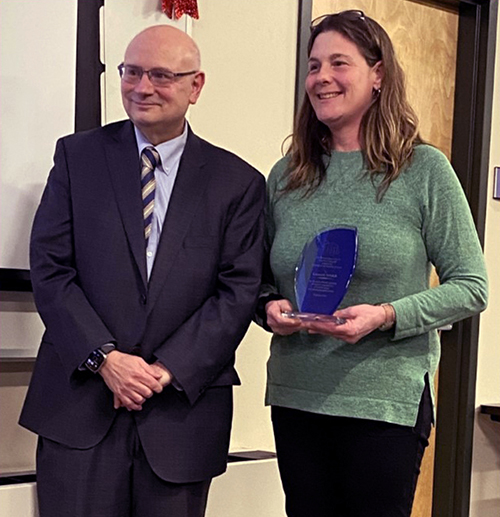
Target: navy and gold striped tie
[150, 159]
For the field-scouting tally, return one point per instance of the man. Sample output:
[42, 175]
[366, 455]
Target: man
[146, 257]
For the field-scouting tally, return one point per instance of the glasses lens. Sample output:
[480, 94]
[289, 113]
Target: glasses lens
[131, 74]
[161, 77]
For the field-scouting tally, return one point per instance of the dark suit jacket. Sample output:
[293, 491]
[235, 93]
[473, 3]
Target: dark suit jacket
[88, 271]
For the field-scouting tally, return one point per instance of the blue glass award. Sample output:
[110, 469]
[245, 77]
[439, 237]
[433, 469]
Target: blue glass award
[324, 273]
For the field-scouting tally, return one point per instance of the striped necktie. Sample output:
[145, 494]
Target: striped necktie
[150, 159]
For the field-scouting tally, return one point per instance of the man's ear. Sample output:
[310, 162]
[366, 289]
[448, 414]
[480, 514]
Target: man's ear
[196, 86]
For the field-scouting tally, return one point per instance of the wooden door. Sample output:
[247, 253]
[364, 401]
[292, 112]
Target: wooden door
[425, 39]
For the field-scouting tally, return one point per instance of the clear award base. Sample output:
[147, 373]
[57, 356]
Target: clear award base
[310, 316]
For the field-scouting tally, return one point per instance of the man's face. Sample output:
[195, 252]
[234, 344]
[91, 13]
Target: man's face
[158, 111]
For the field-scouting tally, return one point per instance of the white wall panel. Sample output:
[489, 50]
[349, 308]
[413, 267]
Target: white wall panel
[37, 85]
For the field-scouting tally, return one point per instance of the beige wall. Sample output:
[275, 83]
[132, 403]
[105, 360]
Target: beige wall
[485, 490]
[248, 52]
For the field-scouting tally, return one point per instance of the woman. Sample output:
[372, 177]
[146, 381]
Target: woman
[351, 403]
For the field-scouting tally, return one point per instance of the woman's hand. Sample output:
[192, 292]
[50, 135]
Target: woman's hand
[280, 324]
[360, 321]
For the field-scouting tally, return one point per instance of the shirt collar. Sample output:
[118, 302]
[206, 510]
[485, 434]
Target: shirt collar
[169, 151]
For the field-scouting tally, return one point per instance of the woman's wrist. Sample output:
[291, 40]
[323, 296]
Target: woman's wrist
[390, 317]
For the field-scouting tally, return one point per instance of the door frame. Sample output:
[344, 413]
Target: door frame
[470, 158]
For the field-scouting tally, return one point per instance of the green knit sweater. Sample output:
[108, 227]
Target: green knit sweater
[423, 219]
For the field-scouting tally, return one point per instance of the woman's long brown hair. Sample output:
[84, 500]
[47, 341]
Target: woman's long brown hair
[389, 129]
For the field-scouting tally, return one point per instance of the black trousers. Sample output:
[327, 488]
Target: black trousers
[347, 467]
[112, 479]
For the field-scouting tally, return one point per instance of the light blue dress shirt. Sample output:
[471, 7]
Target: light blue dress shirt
[170, 154]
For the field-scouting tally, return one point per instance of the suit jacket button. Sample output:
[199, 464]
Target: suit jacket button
[144, 299]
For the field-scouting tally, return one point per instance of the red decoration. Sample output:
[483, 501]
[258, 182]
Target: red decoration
[174, 9]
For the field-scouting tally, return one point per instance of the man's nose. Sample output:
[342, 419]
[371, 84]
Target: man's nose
[144, 85]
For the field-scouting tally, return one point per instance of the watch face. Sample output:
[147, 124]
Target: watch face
[95, 360]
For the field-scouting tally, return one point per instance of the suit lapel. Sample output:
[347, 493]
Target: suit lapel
[190, 184]
[124, 168]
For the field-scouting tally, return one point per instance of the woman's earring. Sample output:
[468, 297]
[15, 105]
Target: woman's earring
[376, 92]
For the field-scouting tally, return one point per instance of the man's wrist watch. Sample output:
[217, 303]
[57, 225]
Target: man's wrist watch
[98, 357]
[95, 360]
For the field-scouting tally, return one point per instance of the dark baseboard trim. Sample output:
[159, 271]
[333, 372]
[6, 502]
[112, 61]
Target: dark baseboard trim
[493, 410]
[17, 479]
[235, 457]
[15, 280]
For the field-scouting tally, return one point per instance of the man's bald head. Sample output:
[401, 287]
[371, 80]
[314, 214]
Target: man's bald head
[170, 40]
[158, 110]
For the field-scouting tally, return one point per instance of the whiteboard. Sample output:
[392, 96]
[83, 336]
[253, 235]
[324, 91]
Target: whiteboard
[37, 97]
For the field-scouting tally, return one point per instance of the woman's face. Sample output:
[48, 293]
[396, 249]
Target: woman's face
[340, 82]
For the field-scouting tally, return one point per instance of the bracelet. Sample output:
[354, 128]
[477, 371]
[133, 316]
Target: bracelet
[390, 317]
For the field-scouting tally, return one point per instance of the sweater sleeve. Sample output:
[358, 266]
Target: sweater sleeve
[452, 246]
[268, 290]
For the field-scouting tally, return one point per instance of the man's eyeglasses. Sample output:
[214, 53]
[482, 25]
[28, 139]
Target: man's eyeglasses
[351, 14]
[158, 76]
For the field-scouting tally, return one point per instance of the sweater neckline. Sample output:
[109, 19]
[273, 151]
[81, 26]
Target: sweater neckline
[346, 155]
[344, 159]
